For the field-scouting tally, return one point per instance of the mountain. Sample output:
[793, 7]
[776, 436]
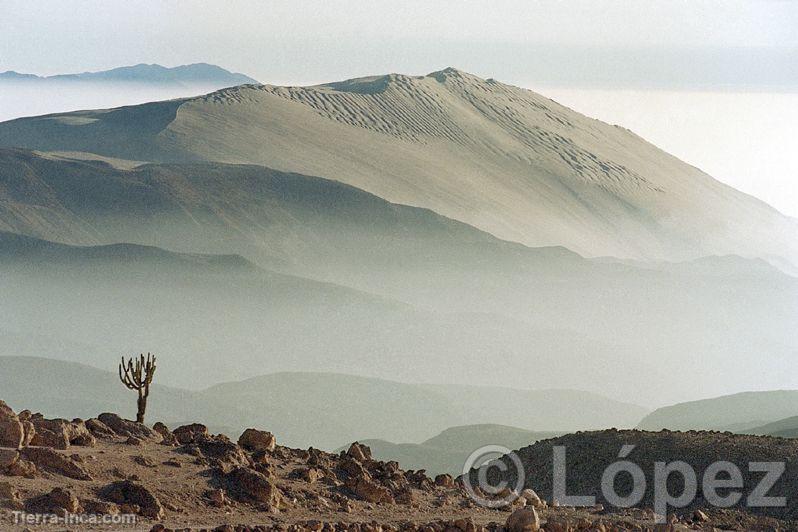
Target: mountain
[194, 74]
[739, 412]
[59, 388]
[335, 409]
[375, 408]
[448, 451]
[783, 428]
[437, 291]
[500, 158]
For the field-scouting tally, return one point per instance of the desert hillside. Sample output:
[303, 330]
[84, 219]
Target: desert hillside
[188, 478]
[498, 157]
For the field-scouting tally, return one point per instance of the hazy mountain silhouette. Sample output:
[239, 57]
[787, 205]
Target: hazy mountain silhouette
[194, 74]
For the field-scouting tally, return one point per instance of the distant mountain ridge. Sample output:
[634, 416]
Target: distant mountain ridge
[193, 74]
[325, 410]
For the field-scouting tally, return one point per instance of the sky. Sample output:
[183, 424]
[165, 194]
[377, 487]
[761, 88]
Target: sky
[714, 82]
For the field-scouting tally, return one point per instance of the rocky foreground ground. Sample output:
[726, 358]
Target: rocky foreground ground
[188, 479]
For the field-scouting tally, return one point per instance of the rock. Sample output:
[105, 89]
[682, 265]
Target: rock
[311, 475]
[257, 440]
[22, 468]
[126, 492]
[99, 429]
[523, 520]
[126, 428]
[249, 485]
[217, 498]
[192, 433]
[52, 461]
[444, 480]
[370, 491]
[58, 501]
[166, 434]
[7, 457]
[133, 440]
[60, 433]
[219, 451]
[359, 452]
[532, 498]
[101, 507]
[12, 433]
[700, 517]
[9, 496]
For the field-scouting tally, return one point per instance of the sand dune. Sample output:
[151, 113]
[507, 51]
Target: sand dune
[503, 159]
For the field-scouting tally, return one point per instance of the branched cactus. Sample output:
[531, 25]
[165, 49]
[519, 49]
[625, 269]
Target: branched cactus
[137, 375]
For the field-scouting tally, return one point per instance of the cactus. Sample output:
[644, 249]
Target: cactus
[137, 375]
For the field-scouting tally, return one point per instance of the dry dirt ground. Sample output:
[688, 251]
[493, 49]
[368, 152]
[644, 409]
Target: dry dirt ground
[189, 479]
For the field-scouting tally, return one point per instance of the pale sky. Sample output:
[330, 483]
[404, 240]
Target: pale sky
[666, 52]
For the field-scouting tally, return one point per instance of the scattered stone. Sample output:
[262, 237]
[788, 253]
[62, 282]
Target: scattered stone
[257, 440]
[700, 517]
[523, 520]
[52, 461]
[144, 461]
[126, 492]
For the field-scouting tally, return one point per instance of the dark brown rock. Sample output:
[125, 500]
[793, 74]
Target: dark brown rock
[257, 440]
[248, 485]
[126, 492]
[191, 433]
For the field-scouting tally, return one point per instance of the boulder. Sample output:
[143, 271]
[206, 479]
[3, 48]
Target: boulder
[523, 520]
[52, 461]
[219, 451]
[59, 501]
[12, 432]
[444, 480]
[532, 498]
[248, 485]
[22, 468]
[360, 452]
[127, 428]
[9, 496]
[7, 457]
[127, 492]
[191, 433]
[257, 440]
[60, 433]
[166, 434]
[99, 429]
[370, 491]
[101, 507]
